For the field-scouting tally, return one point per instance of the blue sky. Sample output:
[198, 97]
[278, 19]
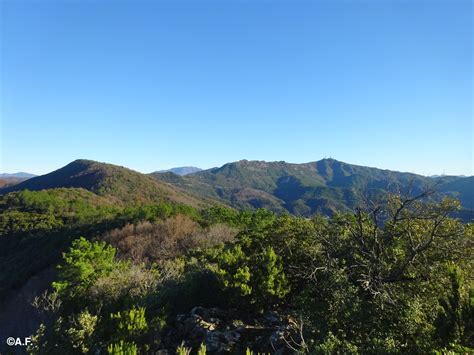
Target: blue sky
[152, 85]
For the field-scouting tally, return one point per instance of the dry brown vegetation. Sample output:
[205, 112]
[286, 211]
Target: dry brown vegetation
[164, 240]
[132, 282]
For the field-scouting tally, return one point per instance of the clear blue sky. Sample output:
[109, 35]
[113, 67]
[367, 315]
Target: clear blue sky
[156, 84]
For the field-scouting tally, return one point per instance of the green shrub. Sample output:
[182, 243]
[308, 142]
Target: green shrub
[257, 279]
[82, 265]
[130, 322]
[122, 348]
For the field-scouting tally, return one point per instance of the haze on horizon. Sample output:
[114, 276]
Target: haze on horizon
[155, 85]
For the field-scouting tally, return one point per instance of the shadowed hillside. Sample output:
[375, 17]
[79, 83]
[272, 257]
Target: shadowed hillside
[10, 181]
[461, 189]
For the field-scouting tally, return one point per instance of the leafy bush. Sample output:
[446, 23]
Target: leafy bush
[256, 279]
[122, 348]
[82, 265]
[130, 322]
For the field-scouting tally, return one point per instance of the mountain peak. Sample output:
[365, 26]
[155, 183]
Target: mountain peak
[181, 170]
[117, 183]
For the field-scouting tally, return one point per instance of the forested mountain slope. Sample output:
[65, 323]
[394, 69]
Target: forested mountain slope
[462, 189]
[304, 189]
[118, 184]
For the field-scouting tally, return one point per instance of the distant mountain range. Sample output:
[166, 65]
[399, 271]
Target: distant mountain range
[181, 171]
[323, 186]
[20, 175]
[13, 179]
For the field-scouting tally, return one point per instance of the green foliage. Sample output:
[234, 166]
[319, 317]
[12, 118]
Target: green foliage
[269, 276]
[202, 349]
[218, 214]
[130, 322]
[82, 265]
[122, 348]
[333, 345]
[158, 211]
[87, 268]
[234, 271]
[48, 210]
[36, 227]
[115, 183]
[256, 279]
[326, 186]
[454, 321]
[130, 326]
[373, 281]
[80, 332]
[183, 350]
[38, 341]
[14, 222]
[250, 352]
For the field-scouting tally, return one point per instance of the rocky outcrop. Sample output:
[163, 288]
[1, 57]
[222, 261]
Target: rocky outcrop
[223, 332]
